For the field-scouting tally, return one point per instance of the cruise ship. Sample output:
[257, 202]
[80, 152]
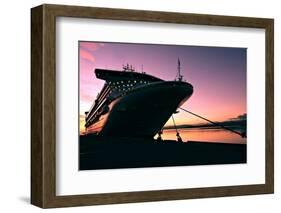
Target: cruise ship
[134, 104]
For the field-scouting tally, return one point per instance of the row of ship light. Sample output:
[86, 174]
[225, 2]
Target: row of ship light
[127, 84]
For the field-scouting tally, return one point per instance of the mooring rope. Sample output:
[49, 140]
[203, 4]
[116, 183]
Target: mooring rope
[175, 124]
[179, 139]
[243, 135]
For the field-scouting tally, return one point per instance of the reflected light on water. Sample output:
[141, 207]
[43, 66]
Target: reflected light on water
[204, 135]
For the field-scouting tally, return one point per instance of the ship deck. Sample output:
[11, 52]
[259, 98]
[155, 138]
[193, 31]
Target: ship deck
[112, 153]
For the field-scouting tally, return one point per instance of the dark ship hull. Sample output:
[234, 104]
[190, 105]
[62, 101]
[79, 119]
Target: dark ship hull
[143, 111]
[133, 104]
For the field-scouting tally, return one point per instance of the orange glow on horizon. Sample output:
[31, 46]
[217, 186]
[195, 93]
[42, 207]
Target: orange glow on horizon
[82, 124]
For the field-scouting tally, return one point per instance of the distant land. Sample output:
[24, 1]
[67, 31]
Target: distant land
[234, 123]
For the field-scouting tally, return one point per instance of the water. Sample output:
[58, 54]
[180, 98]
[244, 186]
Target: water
[204, 135]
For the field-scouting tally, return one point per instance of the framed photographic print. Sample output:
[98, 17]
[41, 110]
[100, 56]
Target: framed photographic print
[136, 106]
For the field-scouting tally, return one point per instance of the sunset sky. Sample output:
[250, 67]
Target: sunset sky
[217, 74]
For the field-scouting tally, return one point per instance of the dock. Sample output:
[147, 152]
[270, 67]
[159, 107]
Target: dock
[114, 153]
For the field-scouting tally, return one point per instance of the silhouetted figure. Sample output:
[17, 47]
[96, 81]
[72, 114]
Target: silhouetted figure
[179, 137]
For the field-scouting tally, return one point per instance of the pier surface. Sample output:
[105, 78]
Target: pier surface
[112, 153]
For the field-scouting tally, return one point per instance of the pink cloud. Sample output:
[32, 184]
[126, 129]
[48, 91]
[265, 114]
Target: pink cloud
[87, 50]
[91, 46]
[87, 55]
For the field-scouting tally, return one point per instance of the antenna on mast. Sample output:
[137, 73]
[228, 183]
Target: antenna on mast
[179, 76]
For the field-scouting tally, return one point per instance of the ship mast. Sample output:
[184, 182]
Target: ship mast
[179, 76]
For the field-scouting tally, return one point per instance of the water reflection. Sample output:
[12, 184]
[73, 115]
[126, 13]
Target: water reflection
[204, 135]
